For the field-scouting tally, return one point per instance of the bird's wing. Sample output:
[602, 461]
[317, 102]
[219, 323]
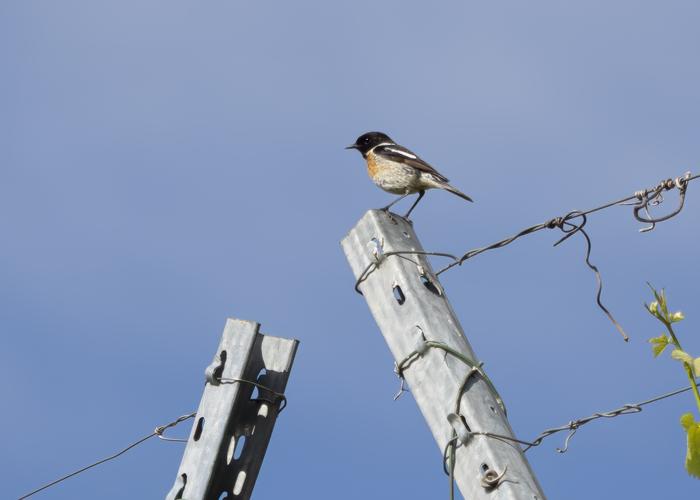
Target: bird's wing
[403, 155]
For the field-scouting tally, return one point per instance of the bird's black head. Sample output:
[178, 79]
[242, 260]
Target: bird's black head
[367, 141]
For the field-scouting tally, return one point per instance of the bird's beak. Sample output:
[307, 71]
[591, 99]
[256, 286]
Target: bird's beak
[351, 146]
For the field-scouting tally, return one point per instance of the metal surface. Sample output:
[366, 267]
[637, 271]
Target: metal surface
[236, 416]
[411, 309]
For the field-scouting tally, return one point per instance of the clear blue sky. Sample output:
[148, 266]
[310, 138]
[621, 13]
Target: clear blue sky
[164, 165]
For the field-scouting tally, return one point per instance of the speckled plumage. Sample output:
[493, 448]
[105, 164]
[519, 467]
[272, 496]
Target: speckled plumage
[398, 170]
[398, 178]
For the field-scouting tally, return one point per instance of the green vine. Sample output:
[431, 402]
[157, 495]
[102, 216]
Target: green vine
[659, 309]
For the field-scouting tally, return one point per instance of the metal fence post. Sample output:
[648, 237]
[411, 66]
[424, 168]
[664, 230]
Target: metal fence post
[243, 394]
[454, 394]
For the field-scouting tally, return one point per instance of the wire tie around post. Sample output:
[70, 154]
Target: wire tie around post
[459, 427]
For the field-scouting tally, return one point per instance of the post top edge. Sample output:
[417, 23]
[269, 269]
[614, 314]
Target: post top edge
[244, 322]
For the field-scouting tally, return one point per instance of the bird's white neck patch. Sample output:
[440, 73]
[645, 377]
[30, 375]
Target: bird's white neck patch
[401, 152]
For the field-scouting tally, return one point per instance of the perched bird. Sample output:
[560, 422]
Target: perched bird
[398, 170]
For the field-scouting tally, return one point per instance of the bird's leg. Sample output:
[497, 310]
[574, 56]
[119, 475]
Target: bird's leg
[420, 195]
[386, 208]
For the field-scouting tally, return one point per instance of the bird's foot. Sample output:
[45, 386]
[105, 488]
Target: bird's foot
[407, 215]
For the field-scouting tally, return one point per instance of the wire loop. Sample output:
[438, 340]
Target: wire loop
[280, 399]
[570, 228]
[492, 479]
[455, 418]
[476, 367]
[654, 196]
[158, 431]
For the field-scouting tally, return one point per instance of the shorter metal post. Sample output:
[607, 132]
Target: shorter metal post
[242, 397]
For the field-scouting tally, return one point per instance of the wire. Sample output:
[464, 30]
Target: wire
[476, 366]
[379, 257]
[281, 399]
[574, 425]
[645, 197]
[490, 478]
[644, 200]
[157, 432]
[592, 267]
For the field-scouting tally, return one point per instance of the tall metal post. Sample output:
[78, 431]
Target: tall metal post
[243, 394]
[458, 401]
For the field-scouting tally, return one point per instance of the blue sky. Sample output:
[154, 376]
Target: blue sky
[164, 165]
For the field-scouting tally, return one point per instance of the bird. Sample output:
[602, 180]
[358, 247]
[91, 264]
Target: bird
[399, 170]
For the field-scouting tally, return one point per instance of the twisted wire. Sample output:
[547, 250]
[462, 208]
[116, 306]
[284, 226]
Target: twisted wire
[644, 199]
[574, 425]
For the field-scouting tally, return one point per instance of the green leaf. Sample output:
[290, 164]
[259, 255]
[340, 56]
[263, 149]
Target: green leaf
[692, 457]
[676, 317]
[682, 356]
[685, 358]
[687, 420]
[659, 344]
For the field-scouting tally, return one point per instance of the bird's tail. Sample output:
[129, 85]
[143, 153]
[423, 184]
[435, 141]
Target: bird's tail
[456, 191]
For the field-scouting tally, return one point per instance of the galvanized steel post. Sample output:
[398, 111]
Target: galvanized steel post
[242, 397]
[432, 354]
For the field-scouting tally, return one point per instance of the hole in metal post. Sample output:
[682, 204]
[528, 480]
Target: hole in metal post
[484, 467]
[220, 370]
[429, 285]
[406, 235]
[261, 376]
[224, 495]
[398, 295]
[182, 490]
[238, 486]
[198, 430]
[240, 445]
[493, 410]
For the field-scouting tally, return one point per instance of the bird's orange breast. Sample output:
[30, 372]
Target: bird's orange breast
[372, 165]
